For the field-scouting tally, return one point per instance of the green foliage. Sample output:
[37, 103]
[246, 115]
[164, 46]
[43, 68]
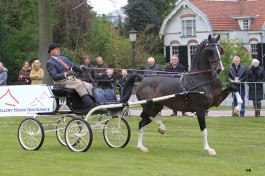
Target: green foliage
[151, 42]
[72, 23]
[164, 7]
[139, 14]
[233, 47]
[20, 35]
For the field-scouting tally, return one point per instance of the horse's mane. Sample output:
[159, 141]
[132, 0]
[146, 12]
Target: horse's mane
[197, 52]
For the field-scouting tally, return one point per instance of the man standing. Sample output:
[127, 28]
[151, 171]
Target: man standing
[61, 69]
[100, 69]
[237, 76]
[152, 68]
[175, 68]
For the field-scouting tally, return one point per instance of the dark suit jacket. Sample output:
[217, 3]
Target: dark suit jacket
[57, 70]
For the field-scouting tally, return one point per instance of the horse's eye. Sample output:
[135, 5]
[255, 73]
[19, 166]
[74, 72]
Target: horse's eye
[222, 51]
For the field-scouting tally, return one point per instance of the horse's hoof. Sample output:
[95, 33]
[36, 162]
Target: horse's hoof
[212, 152]
[161, 131]
[143, 149]
[236, 111]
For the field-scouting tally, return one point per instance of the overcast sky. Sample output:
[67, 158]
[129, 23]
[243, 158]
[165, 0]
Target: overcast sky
[105, 6]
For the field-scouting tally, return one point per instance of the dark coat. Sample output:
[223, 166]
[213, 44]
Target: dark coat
[150, 71]
[99, 72]
[178, 69]
[256, 89]
[87, 74]
[240, 72]
[123, 80]
[57, 71]
[23, 76]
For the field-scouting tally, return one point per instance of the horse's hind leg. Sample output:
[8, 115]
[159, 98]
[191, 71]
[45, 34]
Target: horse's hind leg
[201, 119]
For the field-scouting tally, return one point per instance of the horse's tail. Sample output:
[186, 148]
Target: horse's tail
[128, 86]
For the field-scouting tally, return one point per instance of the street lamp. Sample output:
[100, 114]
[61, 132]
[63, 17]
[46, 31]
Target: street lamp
[132, 35]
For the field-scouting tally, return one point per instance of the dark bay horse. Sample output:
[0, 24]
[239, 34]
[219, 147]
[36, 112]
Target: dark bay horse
[202, 77]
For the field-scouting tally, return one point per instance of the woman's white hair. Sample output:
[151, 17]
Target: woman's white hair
[254, 61]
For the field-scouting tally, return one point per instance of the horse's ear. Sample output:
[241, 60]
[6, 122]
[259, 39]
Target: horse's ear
[217, 39]
[209, 37]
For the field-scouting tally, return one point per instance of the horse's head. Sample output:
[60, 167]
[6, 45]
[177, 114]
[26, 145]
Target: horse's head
[213, 53]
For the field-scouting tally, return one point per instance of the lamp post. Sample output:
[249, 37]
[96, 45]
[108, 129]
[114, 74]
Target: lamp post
[132, 35]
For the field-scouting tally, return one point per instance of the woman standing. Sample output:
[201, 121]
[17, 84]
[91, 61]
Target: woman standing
[3, 74]
[256, 74]
[23, 75]
[36, 75]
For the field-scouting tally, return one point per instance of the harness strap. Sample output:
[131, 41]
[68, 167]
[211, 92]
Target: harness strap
[91, 78]
[199, 85]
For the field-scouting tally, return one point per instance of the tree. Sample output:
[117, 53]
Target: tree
[139, 14]
[45, 34]
[164, 7]
[73, 22]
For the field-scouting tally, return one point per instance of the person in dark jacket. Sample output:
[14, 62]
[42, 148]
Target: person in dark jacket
[256, 76]
[237, 75]
[23, 75]
[61, 70]
[100, 69]
[88, 73]
[173, 69]
[152, 69]
[124, 78]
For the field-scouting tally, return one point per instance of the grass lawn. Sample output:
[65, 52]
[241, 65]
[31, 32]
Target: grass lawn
[239, 143]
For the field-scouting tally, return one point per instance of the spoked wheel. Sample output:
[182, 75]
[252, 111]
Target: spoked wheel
[78, 135]
[60, 128]
[30, 134]
[117, 132]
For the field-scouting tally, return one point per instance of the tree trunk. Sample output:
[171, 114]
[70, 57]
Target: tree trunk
[45, 36]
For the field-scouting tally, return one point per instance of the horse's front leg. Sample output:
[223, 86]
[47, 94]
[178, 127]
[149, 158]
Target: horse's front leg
[201, 120]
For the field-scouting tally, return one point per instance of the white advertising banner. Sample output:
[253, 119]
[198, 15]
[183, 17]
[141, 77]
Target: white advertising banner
[25, 100]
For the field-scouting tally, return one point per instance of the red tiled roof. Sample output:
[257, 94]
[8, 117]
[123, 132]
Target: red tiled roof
[221, 13]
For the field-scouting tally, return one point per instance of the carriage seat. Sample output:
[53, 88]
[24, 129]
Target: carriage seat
[104, 92]
[63, 92]
[73, 100]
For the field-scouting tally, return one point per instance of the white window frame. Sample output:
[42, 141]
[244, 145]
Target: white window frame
[188, 27]
[245, 24]
[174, 50]
[253, 48]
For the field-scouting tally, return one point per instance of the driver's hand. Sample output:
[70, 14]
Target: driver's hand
[83, 67]
[70, 72]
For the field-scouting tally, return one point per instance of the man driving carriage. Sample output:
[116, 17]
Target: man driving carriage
[61, 69]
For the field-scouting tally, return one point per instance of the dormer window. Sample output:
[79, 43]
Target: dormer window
[245, 24]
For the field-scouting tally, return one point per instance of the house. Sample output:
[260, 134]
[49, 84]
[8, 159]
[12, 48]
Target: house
[191, 21]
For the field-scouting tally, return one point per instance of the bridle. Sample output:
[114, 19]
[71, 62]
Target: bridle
[212, 62]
